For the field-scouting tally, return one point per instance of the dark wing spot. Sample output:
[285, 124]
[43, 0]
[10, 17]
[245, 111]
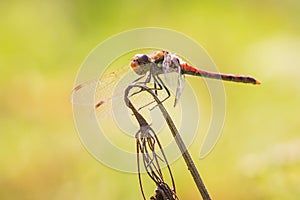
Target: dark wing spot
[99, 104]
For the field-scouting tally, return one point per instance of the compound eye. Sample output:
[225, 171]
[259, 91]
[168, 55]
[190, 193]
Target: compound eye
[144, 59]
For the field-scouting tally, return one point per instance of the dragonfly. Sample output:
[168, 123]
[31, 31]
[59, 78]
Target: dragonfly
[150, 68]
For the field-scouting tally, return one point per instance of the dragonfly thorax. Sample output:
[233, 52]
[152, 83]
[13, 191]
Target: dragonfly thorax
[142, 63]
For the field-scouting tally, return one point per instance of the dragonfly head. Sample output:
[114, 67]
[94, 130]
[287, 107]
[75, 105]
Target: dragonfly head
[140, 63]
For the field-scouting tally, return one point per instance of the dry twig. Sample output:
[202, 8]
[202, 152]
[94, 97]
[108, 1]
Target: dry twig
[188, 160]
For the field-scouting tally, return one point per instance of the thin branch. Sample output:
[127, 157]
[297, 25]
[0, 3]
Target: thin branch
[147, 137]
[187, 158]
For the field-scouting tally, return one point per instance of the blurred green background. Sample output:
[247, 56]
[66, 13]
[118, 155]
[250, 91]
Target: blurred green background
[43, 43]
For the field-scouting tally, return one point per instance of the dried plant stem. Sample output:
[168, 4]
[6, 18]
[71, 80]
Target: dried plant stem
[147, 141]
[187, 158]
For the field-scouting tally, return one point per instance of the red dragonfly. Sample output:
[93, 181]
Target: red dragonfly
[151, 67]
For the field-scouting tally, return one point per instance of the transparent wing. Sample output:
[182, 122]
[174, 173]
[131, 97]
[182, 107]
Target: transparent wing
[106, 94]
[80, 93]
[98, 93]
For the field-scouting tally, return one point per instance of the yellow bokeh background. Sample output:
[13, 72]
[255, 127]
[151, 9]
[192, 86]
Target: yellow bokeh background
[43, 43]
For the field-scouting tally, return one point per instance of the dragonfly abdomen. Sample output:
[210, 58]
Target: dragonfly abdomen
[187, 69]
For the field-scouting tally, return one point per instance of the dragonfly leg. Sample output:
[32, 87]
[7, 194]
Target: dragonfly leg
[157, 85]
[151, 102]
[142, 82]
[162, 86]
[144, 106]
[147, 80]
[135, 93]
[155, 88]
